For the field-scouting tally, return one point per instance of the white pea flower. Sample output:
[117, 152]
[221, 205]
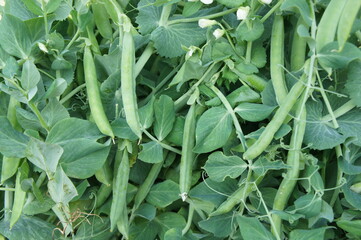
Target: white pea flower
[2, 3]
[207, 1]
[242, 12]
[203, 23]
[42, 47]
[218, 33]
[266, 1]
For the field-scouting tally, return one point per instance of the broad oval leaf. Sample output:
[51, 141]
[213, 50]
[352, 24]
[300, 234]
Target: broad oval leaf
[213, 130]
[252, 228]
[30, 75]
[152, 152]
[220, 166]
[164, 117]
[220, 226]
[163, 194]
[254, 112]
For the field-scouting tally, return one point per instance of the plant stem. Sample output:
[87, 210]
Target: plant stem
[47, 74]
[189, 220]
[233, 115]
[72, 93]
[328, 105]
[249, 51]
[195, 19]
[165, 14]
[165, 146]
[271, 11]
[75, 37]
[36, 111]
[345, 108]
[143, 59]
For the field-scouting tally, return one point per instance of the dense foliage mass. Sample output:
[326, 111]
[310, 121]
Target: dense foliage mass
[175, 119]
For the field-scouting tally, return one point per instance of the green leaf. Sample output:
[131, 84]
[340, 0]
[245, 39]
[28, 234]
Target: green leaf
[30, 75]
[28, 120]
[303, 234]
[350, 226]
[350, 158]
[330, 57]
[33, 6]
[54, 112]
[262, 165]
[31, 228]
[61, 189]
[12, 143]
[97, 230]
[56, 88]
[173, 233]
[352, 197]
[122, 130]
[146, 211]
[169, 40]
[353, 83]
[176, 135]
[251, 31]
[83, 157]
[221, 226]
[72, 129]
[37, 207]
[252, 228]
[52, 5]
[44, 155]
[318, 134]
[213, 130]
[148, 16]
[146, 114]
[350, 125]
[191, 8]
[298, 6]
[219, 166]
[15, 37]
[164, 116]
[308, 205]
[259, 56]
[254, 112]
[326, 213]
[163, 194]
[152, 152]
[169, 220]
[143, 229]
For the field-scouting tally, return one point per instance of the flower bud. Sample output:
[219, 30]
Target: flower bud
[266, 1]
[242, 12]
[42, 47]
[218, 33]
[203, 23]
[207, 1]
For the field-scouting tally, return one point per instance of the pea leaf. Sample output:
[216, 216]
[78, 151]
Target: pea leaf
[251, 31]
[319, 135]
[220, 226]
[122, 130]
[12, 143]
[152, 152]
[350, 226]
[353, 83]
[176, 135]
[54, 112]
[169, 40]
[44, 155]
[330, 57]
[169, 220]
[254, 112]
[303, 234]
[164, 117]
[213, 130]
[350, 125]
[262, 165]
[220, 166]
[97, 230]
[348, 161]
[308, 205]
[163, 194]
[148, 16]
[252, 228]
[30, 75]
[61, 188]
[146, 114]
[143, 229]
[298, 6]
[146, 211]
[352, 197]
[15, 37]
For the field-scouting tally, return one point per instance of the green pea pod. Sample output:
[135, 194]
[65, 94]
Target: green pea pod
[94, 42]
[277, 59]
[327, 27]
[101, 19]
[119, 189]
[19, 198]
[347, 19]
[187, 159]
[93, 93]
[298, 50]
[102, 194]
[105, 174]
[128, 83]
[114, 10]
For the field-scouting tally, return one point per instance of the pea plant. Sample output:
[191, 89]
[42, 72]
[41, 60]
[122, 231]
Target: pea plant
[176, 119]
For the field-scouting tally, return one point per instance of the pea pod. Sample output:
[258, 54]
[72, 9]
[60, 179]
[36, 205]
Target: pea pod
[348, 16]
[93, 93]
[187, 159]
[119, 189]
[277, 59]
[298, 50]
[128, 82]
[327, 27]
[101, 19]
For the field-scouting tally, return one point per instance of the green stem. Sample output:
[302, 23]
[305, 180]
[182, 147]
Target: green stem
[195, 19]
[345, 108]
[249, 51]
[47, 74]
[75, 37]
[7, 189]
[45, 19]
[165, 14]
[189, 220]
[72, 93]
[143, 59]
[327, 102]
[271, 11]
[8, 202]
[233, 115]
[165, 146]
[36, 111]
[339, 177]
